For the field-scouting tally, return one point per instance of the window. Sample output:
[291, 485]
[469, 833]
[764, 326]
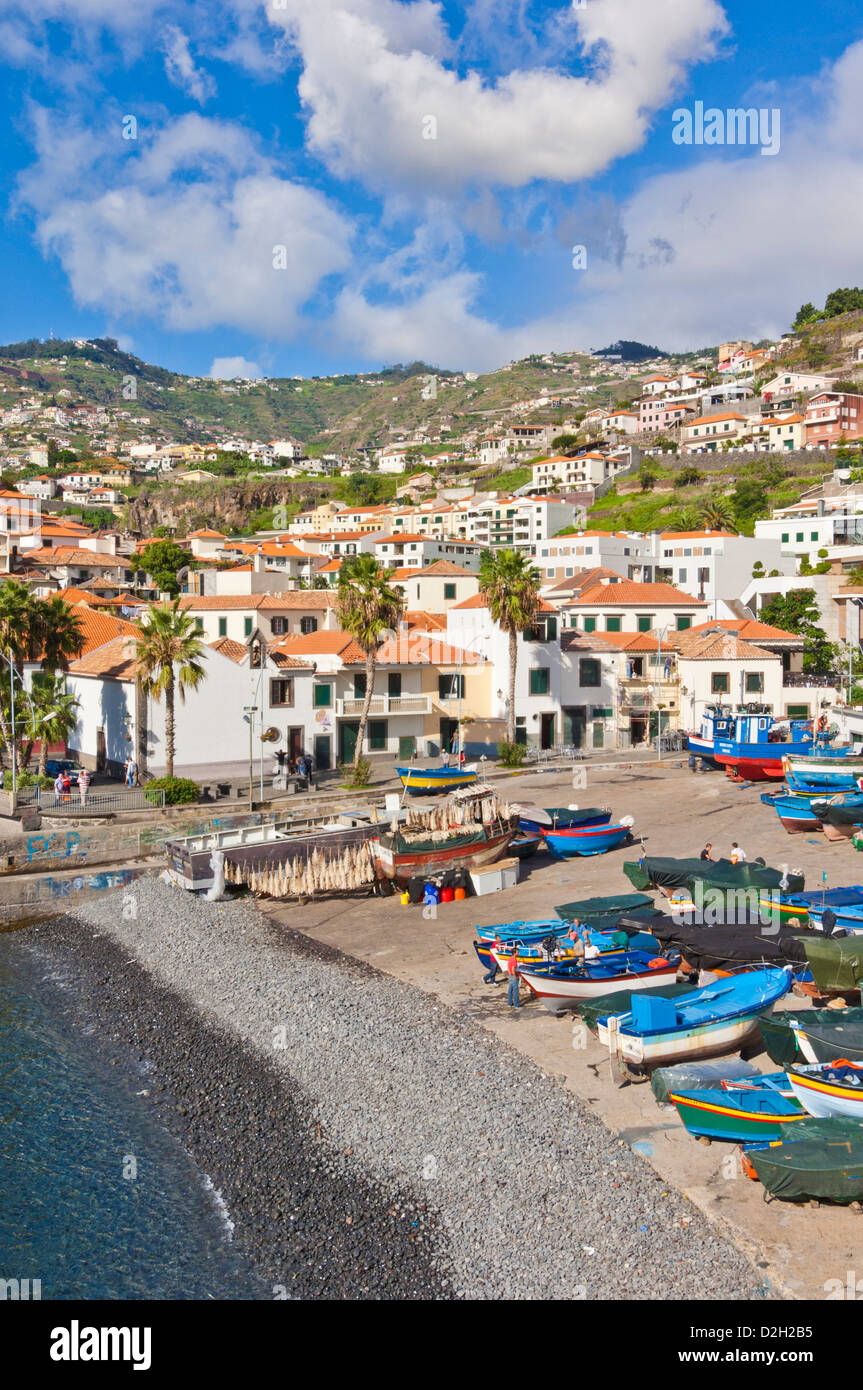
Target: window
[589, 672]
[199, 624]
[813, 535]
[279, 627]
[308, 624]
[754, 683]
[223, 627]
[281, 692]
[394, 685]
[612, 624]
[449, 591]
[785, 535]
[247, 626]
[684, 621]
[797, 712]
[800, 535]
[719, 683]
[645, 622]
[600, 712]
[360, 686]
[377, 735]
[539, 680]
[450, 687]
[323, 696]
[590, 624]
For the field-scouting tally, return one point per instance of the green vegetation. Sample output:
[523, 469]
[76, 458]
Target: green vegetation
[367, 608]
[509, 480]
[360, 774]
[511, 754]
[161, 560]
[510, 586]
[170, 656]
[797, 611]
[179, 791]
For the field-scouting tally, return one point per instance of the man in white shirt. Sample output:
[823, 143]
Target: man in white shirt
[738, 856]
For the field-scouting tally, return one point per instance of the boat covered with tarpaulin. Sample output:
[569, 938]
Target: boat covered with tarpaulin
[818, 1160]
[836, 962]
[655, 872]
[730, 947]
[603, 913]
[813, 1035]
[839, 815]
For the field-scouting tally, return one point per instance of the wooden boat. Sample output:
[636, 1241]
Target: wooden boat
[472, 830]
[755, 749]
[840, 763]
[813, 1035]
[523, 845]
[597, 839]
[243, 844]
[708, 1022]
[836, 962]
[796, 813]
[435, 781]
[817, 1160]
[563, 987]
[535, 819]
[604, 913]
[650, 872]
[737, 1113]
[802, 780]
[845, 903]
[829, 1088]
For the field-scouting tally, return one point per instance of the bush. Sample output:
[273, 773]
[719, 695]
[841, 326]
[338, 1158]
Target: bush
[27, 779]
[511, 754]
[359, 776]
[178, 790]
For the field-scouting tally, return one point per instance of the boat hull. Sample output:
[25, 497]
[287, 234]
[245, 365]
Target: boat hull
[401, 865]
[707, 1040]
[432, 781]
[738, 1116]
[824, 1097]
[564, 844]
[558, 994]
[564, 819]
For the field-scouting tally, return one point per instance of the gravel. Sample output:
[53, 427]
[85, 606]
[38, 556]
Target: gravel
[336, 1108]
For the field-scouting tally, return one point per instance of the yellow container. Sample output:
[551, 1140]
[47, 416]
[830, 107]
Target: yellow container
[405, 899]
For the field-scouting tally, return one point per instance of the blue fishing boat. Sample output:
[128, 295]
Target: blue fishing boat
[716, 722]
[755, 749]
[823, 780]
[709, 1022]
[845, 903]
[597, 839]
[737, 1114]
[795, 812]
[535, 819]
[434, 781]
[840, 815]
[565, 986]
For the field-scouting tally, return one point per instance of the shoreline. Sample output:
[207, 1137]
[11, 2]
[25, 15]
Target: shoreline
[518, 1189]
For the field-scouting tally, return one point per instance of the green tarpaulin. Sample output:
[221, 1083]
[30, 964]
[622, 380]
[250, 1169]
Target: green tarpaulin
[831, 1033]
[822, 1160]
[682, 873]
[836, 961]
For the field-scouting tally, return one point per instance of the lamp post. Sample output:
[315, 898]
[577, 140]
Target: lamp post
[660, 633]
[250, 711]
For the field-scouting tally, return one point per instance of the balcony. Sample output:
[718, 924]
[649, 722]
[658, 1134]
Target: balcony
[385, 706]
[640, 692]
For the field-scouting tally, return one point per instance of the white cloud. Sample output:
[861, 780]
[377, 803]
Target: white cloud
[189, 225]
[373, 71]
[181, 68]
[228, 368]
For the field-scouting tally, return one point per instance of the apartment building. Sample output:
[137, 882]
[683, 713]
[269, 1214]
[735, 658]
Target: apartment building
[831, 416]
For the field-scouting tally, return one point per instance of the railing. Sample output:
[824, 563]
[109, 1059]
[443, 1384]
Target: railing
[386, 705]
[69, 803]
[640, 693]
[802, 680]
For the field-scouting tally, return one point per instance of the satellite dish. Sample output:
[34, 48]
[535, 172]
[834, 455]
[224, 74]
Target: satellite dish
[271, 735]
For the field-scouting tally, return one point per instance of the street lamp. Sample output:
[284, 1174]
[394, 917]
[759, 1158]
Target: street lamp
[251, 711]
[660, 633]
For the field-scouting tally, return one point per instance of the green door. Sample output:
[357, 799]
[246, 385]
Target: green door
[598, 734]
[322, 752]
[348, 731]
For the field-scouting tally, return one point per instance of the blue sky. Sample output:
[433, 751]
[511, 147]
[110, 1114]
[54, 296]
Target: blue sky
[323, 185]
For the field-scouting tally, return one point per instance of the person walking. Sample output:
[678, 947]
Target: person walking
[83, 785]
[490, 976]
[738, 855]
[130, 771]
[444, 757]
[512, 970]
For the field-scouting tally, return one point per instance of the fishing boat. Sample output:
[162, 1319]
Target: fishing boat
[654, 872]
[738, 1114]
[535, 819]
[561, 987]
[846, 904]
[836, 962]
[528, 953]
[604, 913]
[471, 830]
[839, 763]
[524, 845]
[796, 813]
[435, 781]
[716, 722]
[597, 839]
[829, 1088]
[817, 1160]
[247, 844]
[813, 1035]
[755, 749]
[726, 948]
[839, 815]
[709, 1022]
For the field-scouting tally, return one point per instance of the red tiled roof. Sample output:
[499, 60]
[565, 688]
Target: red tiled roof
[631, 594]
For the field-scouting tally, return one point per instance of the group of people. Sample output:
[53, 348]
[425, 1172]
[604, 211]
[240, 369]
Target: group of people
[63, 786]
[737, 855]
[130, 772]
[580, 944]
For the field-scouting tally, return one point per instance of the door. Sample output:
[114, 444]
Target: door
[348, 731]
[574, 725]
[448, 734]
[546, 730]
[598, 734]
[323, 754]
[100, 750]
[296, 743]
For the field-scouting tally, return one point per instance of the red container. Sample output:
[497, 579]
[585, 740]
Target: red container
[446, 895]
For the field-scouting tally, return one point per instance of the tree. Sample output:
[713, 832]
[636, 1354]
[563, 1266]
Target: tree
[53, 717]
[688, 476]
[842, 302]
[367, 608]
[807, 313]
[749, 501]
[563, 442]
[170, 653]
[510, 586]
[56, 634]
[798, 612]
[717, 514]
[647, 476]
[686, 519]
[161, 560]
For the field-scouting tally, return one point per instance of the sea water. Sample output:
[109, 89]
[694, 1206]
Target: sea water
[97, 1199]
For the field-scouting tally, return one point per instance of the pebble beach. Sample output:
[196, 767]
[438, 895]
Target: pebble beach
[366, 1140]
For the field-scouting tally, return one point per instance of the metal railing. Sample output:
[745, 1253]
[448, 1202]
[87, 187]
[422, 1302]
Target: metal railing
[52, 803]
[387, 704]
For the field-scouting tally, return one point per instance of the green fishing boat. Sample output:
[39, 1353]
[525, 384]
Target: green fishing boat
[818, 1160]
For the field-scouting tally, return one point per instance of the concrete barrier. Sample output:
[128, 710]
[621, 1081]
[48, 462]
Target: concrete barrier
[25, 899]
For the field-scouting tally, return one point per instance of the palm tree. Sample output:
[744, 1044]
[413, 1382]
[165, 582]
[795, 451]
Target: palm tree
[367, 608]
[16, 621]
[170, 651]
[686, 519]
[510, 586]
[57, 637]
[718, 514]
[54, 716]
